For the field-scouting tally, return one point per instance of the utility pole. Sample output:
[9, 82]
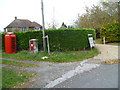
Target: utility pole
[43, 26]
[119, 11]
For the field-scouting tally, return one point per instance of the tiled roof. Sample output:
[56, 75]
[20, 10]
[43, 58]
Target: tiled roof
[35, 24]
[18, 23]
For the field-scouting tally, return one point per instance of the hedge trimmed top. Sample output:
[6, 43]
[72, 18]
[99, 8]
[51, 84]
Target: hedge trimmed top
[60, 39]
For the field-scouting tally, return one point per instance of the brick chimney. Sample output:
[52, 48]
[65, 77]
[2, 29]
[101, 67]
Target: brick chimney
[15, 17]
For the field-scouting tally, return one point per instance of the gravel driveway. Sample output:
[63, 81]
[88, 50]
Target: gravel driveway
[48, 72]
[107, 52]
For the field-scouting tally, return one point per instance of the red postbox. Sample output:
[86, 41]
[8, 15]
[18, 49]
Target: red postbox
[33, 44]
[10, 43]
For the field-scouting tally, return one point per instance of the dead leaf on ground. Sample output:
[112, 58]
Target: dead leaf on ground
[111, 62]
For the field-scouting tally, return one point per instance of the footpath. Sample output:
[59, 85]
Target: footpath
[50, 74]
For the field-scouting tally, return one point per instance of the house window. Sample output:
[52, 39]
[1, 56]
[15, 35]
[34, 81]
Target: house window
[13, 29]
[23, 29]
[37, 28]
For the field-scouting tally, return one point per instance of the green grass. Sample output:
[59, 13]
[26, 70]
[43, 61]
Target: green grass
[99, 41]
[20, 64]
[116, 44]
[0, 79]
[12, 78]
[69, 56]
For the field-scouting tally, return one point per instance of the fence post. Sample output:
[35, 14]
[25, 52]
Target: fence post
[104, 40]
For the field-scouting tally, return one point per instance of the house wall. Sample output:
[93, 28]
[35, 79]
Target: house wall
[17, 29]
[13, 29]
[34, 28]
[31, 28]
[21, 29]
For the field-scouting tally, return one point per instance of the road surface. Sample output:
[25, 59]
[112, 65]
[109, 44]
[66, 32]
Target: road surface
[105, 76]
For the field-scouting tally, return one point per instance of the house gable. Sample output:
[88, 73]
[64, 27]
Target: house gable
[23, 25]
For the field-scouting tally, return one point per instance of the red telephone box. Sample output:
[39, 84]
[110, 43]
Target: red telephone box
[10, 43]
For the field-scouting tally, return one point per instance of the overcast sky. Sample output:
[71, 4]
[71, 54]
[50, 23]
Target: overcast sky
[58, 10]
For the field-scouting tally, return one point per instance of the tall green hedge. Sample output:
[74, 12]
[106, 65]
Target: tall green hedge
[111, 32]
[60, 40]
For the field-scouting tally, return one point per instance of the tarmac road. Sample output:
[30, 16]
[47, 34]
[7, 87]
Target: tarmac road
[105, 76]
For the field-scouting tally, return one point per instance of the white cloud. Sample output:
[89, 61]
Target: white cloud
[62, 10]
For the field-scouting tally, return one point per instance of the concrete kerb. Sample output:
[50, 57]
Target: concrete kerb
[79, 69]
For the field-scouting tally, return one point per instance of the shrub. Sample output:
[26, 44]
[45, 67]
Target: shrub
[2, 41]
[60, 40]
[97, 32]
[111, 32]
[68, 39]
[24, 37]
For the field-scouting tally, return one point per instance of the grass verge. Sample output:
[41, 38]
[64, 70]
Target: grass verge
[69, 56]
[99, 41]
[20, 64]
[13, 78]
[116, 44]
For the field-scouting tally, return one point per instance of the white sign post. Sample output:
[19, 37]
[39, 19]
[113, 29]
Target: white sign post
[104, 40]
[91, 41]
[47, 43]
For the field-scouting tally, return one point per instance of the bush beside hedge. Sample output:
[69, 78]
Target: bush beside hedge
[111, 32]
[60, 40]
